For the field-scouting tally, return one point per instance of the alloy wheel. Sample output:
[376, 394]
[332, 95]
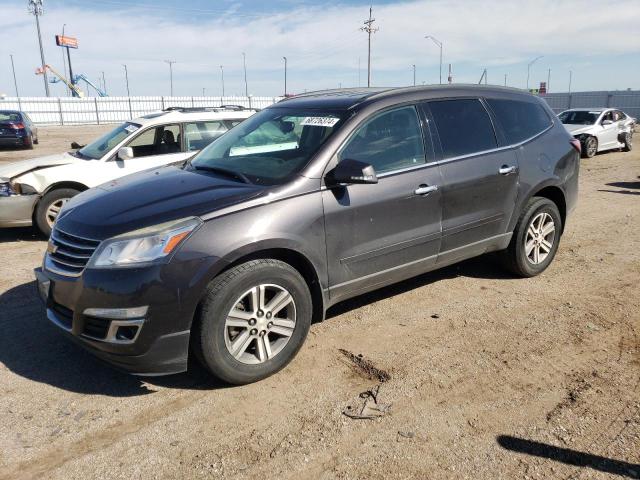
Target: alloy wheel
[260, 324]
[539, 239]
[53, 210]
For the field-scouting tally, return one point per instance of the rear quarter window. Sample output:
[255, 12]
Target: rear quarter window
[519, 120]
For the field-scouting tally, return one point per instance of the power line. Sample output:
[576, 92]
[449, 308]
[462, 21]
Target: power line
[369, 28]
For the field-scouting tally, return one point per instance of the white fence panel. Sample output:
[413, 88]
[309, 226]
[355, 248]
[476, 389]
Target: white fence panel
[103, 110]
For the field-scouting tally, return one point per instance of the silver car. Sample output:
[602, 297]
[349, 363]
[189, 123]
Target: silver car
[599, 129]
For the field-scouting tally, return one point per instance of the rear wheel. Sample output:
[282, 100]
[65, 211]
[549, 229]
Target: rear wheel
[628, 142]
[49, 207]
[252, 322]
[36, 140]
[29, 142]
[590, 147]
[535, 239]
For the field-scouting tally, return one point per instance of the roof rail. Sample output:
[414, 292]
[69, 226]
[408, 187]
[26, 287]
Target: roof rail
[206, 109]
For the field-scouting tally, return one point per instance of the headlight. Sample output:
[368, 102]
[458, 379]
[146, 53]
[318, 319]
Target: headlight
[6, 189]
[145, 245]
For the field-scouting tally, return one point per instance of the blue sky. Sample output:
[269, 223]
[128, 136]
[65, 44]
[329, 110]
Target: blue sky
[323, 43]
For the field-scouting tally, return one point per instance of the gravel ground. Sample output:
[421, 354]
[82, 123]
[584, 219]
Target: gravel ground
[486, 375]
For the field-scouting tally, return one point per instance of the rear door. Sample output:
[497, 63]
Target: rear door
[480, 181]
[380, 233]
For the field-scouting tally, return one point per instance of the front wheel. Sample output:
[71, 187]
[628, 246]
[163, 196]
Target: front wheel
[252, 321]
[49, 207]
[628, 142]
[590, 147]
[535, 239]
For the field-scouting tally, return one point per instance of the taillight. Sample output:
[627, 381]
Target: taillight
[576, 144]
[17, 126]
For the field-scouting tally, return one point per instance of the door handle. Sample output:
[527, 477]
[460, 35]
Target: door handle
[425, 189]
[506, 170]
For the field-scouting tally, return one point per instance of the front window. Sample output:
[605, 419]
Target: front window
[579, 117]
[270, 146]
[97, 149]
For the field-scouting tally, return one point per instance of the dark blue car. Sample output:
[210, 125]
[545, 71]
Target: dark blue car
[17, 129]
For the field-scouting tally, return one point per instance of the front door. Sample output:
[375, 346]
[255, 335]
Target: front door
[380, 233]
[608, 136]
[480, 183]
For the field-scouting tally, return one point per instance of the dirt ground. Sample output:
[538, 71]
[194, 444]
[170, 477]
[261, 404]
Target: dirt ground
[486, 376]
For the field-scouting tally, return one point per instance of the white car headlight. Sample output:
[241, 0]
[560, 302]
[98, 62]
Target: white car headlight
[145, 245]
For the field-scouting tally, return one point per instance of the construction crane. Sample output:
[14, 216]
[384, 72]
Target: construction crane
[74, 88]
[83, 77]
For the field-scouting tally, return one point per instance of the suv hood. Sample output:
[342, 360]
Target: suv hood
[149, 198]
[12, 170]
[578, 129]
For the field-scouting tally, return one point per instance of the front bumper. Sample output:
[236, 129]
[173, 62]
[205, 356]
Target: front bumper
[17, 210]
[161, 344]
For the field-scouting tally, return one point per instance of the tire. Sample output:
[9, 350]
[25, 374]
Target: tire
[44, 210]
[36, 141]
[628, 142]
[29, 144]
[212, 339]
[590, 147]
[516, 258]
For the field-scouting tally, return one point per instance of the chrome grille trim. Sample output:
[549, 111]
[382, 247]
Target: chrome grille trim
[69, 254]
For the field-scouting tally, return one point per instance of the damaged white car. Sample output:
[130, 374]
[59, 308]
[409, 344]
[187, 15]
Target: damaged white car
[32, 192]
[599, 129]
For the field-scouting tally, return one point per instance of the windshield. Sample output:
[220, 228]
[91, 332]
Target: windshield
[96, 150]
[270, 146]
[579, 117]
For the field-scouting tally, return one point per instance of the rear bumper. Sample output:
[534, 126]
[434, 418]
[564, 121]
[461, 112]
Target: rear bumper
[16, 141]
[17, 210]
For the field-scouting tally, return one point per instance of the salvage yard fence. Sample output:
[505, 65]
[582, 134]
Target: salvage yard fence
[103, 110]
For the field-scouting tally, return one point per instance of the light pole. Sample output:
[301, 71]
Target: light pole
[570, 75]
[170, 62]
[244, 65]
[369, 29]
[439, 44]
[222, 76]
[414, 75]
[104, 83]
[64, 62]
[15, 82]
[529, 68]
[35, 7]
[285, 75]
[505, 79]
[548, 80]
[126, 78]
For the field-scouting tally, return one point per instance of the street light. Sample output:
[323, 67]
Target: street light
[439, 44]
[529, 68]
[13, 69]
[222, 75]
[244, 64]
[64, 63]
[171, 62]
[285, 75]
[414, 75]
[126, 78]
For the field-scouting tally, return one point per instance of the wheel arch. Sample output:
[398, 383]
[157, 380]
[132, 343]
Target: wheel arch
[556, 195]
[65, 184]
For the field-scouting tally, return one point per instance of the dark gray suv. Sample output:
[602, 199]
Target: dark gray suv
[232, 255]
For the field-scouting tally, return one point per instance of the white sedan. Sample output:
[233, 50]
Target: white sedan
[34, 191]
[599, 129]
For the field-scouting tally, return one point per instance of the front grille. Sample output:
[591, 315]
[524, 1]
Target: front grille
[69, 254]
[96, 327]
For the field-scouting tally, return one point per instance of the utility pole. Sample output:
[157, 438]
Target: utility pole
[439, 44]
[450, 77]
[171, 62]
[104, 83]
[15, 82]
[126, 79]
[529, 68]
[369, 28]
[285, 75]
[35, 8]
[244, 64]
[505, 79]
[222, 75]
[548, 80]
[203, 89]
[570, 75]
[414, 75]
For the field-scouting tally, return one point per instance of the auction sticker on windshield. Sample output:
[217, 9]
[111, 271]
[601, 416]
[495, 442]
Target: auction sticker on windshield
[320, 121]
[131, 128]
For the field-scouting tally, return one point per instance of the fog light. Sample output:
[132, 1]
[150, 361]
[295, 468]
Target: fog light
[117, 313]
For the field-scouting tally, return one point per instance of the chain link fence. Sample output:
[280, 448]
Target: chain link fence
[103, 110]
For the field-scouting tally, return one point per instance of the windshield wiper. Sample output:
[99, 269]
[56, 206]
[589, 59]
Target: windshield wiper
[223, 171]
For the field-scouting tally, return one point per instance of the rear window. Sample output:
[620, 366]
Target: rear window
[464, 127]
[519, 120]
[10, 117]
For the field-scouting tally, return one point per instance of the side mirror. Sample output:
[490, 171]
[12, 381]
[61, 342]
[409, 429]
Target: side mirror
[125, 153]
[350, 172]
[606, 122]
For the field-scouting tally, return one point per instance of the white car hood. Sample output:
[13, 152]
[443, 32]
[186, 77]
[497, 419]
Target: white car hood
[577, 129]
[12, 170]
